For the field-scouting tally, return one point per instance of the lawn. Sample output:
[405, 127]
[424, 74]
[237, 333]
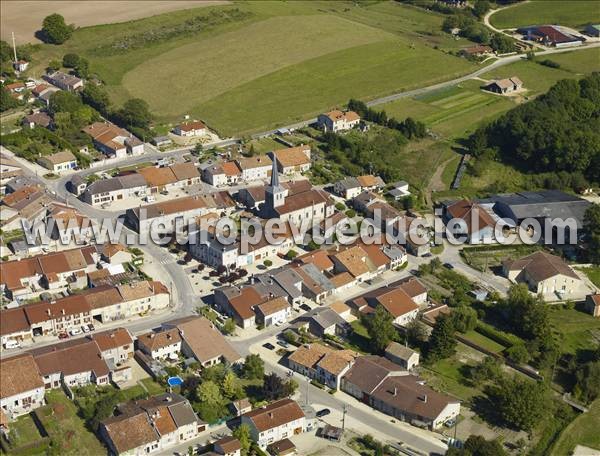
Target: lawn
[484, 341]
[593, 273]
[153, 387]
[579, 330]
[66, 428]
[574, 13]
[450, 376]
[582, 431]
[23, 435]
[359, 339]
[486, 258]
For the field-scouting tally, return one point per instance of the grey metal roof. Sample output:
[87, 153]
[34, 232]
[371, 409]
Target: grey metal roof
[349, 182]
[104, 185]
[132, 180]
[314, 273]
[183, 414]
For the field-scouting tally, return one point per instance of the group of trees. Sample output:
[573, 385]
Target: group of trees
[380, 328]
[409, 127]
[477, 445]
[80, 65]
[475, 31]
[591, 227]
[556, 132]
[55, 30]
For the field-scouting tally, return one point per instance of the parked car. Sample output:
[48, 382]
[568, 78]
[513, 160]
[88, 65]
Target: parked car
[448, 265]
[427, 255]
[283, 343]
[323, 412]
[451, 422]
[91, 326]
[85, 329]
[75, 331]
[305, 307]
[269, 346]
[63, 335]
[11, 344]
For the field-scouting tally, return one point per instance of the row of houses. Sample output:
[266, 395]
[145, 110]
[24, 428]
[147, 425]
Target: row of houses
[289, 161]
[101, 304]
[145, 181]
[95, 359]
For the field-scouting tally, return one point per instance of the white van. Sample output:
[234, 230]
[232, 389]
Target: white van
[11, 344]
[150, 199]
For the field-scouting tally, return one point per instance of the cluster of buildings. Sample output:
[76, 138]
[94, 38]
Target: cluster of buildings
[142, 182]
[550, 35]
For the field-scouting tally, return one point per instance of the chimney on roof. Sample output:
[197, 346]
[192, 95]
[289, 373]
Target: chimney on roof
[395, 391]
[271, 415]
[151, 335]
[423, 397]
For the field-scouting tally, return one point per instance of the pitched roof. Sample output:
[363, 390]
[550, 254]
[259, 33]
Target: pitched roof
[337, 115]
[408, 393]
[72, 357]
[275, 414]
[370, 181]
[157, 340]
[541, 266]
[204, 339]
[244, 302]
[157, 177]
[354, 260]
[258, 161]
[369, 371]
[19, 374]
[273, 305]
[187, 203]
[183, 171]
[229, 444]
[397, 302]
[13, 321]
[293, 156]
[113, 338]
[129, 432]
[189, 126]
[399, 350]
[60, 157]
[320, 258]
[469, 211]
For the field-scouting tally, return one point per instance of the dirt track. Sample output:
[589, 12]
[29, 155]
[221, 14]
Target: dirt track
[25, 17]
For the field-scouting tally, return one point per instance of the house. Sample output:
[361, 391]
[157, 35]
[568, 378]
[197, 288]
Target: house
[222, 174]
[315, 284]
[370, 182]
[471, 220]
[392, 298]
[504, 86]
[195, 128]
[21, 385]
[550, 35]
[77, 362]
[64, 81]
[169, 178]
[239, 303]
[255, 168]
[163, 214]
[478, 50]
[162, 141]
[150, 425]
[164, 344]
[241, 406]
[116, 345]
[355, 261]
[115, 253]
[321, 363]
[46, 95]
[347, 188]
[202, 341]
[544, 273]
[114, 141]
[322, 321]
[592, 304]
[60, 161]
[284, 447]
[336, 120]
[54, 271]
[401, 355]
[68, 224]
[228, 446]
[593, 30]
[275, 422]
[399, 190]
[116, 188]
[293, 160]
[36, 119]
[9, 169]
[275, 311]
[386, 387]
[20, 65]
[27, 202]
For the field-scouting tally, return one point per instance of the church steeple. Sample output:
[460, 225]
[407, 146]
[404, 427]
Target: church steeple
[274, 194]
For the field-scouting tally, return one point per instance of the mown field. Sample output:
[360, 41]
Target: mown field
[582, 431]
[573, 13]
[250, 66]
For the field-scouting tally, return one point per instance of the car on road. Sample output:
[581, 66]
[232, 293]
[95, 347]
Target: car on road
[85, 329]
[75, 331]
[428, 255]
[449, 265]
[269, 346]
[11, 344]
[63, 335]
[305, 307]
[323, 412]
[451, 422]
[283, 343]
[91, 326]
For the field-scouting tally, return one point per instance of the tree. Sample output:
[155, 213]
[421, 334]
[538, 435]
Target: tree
[63, 101]
[135, 113]
[274, 387]
[242, 433]
[291, 254]
[481, 7]
[464, 318]
[254, 367]
[53, 65]
[442, 343]
[520, 403]
[55, 30]
[6, 100]
[230, 385]
[476, 445]
[416, 333]
[229, 326]
[486, 370]
[70, 60]
[380, 328]
[82, 69]
[518, 353]
[588, 381]
[502, 43]
[591, 229]
[209, 393]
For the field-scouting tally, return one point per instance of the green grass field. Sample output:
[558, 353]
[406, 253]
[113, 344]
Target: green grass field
[582, 431]
[572, 13]
[579, 330]
[279, 61]
[593, 274]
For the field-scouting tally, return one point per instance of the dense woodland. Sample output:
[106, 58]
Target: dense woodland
[557, 132]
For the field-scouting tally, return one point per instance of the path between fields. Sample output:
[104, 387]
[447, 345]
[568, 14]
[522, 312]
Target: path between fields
[436, 183]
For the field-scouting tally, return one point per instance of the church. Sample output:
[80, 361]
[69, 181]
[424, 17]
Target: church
[303, 209]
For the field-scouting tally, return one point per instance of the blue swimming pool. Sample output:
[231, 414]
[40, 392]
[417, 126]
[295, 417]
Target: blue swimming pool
[175, 381]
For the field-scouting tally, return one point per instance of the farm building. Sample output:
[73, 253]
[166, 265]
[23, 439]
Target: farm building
[549, 35]
[505, 86]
